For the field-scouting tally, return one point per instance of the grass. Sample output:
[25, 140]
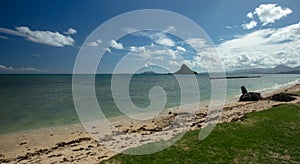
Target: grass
[269, 136]
[298, 92]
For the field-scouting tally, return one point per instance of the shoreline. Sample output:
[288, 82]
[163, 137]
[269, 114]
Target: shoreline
[71, 143]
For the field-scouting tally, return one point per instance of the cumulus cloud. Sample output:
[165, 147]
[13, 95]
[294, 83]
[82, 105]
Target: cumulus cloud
[116, 45]
[179, 48]
[228, 27]
[269, 13]
[249, 25]
[197, 43]
[149, 63]
[250, 15]
[108, 50]
[263, 48]
[70, 31]
[137, 49]
[165, 42]
[154, 52]
[172, 62]
[159, 38]
[4, 68]
[289, 33]
[50, 38]
[3, 37]
[95, 43]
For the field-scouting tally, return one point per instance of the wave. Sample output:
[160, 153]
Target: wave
[269, 90]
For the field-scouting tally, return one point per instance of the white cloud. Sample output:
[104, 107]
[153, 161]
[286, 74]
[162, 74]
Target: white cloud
[43, 37]
[165, 42]
[174, 63]
[22, 69]
[11, 32]
[263, 48]
[154, 52]
[116, 45]
[3, 37]
[36, 55]
[92, 44]
[289, 33]
[228, 27]
[129, 30]
[197, 43]
[108, 50]
[269, 13]
[170, 29]
[149, 63]
[6, 68]
[137, 49]
[95, 43]
[70, 31]
[249, 25]
[179, 48]
[250, 15]
[159, 38]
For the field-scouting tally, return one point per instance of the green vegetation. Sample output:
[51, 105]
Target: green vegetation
[298, 93]
[269, 136]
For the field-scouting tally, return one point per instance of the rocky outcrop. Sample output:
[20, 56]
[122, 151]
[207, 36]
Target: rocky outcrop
[283, 97]
[185, 70]
[249, 96]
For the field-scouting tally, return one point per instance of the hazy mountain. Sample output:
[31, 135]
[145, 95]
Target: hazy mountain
[280, 69]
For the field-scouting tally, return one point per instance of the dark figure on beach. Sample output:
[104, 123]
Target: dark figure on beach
[249, 96]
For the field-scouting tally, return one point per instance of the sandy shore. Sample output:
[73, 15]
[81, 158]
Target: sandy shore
[71, 143]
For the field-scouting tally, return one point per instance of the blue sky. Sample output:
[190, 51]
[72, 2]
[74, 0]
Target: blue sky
[45, 36]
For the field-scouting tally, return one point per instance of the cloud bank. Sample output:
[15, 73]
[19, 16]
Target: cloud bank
[4, 68]
[50, 38]
[263, 48]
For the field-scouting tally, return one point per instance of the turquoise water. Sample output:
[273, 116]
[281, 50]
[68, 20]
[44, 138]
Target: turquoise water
[35, 101]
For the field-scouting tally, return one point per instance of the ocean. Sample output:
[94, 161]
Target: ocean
[35, 101]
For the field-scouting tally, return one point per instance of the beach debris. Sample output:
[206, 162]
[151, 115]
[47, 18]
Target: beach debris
[283, 97]
[249, 96]
[107, 138]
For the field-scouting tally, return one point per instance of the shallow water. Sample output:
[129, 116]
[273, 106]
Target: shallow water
[34, 101]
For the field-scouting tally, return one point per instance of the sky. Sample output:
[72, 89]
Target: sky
[46, 36]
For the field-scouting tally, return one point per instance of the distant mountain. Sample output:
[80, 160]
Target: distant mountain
[149, 73]
[280, 69]
[185, 70]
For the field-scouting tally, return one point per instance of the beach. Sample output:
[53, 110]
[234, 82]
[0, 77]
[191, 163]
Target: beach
[71, 143]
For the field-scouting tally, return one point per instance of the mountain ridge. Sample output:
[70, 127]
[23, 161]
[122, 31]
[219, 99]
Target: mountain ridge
[279, 69]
